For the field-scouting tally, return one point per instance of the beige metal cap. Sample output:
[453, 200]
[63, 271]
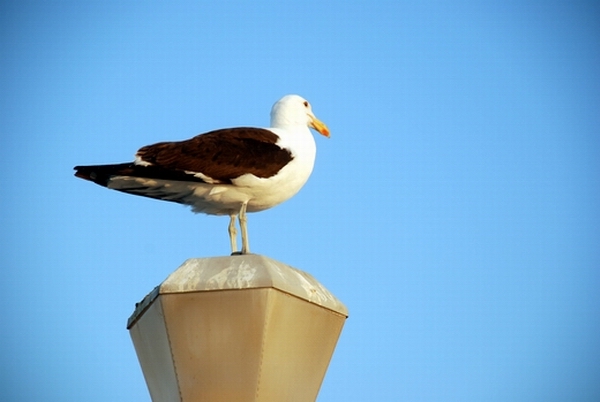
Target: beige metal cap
[246, 272]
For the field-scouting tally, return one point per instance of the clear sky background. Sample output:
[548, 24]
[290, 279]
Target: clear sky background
[455, 209]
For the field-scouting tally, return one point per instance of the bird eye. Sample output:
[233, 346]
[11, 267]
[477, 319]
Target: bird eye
[305, 103]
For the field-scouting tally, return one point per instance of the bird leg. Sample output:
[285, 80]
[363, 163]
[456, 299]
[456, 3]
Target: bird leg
[244, 227]
[232, 233]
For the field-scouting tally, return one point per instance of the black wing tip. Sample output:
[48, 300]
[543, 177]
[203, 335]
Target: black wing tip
[99, 174]
[84, 172]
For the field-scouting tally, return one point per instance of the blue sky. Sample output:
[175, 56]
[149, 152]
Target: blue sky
[455, 209]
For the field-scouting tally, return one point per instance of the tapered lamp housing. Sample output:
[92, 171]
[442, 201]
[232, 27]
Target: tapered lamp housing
[240, 328]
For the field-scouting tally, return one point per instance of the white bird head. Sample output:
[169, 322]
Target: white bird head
[294, 110]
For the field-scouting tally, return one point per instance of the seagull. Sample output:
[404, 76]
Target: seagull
[229, 171]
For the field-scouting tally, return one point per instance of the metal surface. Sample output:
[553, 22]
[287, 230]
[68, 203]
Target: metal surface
[153, 349]
[241, 328]
[245, 272]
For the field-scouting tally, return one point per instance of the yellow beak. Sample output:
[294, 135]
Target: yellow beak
[319, 126]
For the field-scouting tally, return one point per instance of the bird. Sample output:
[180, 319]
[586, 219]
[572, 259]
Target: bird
[228, 171]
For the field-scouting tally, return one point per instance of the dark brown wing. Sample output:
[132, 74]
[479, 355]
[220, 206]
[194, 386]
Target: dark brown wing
[221, 155]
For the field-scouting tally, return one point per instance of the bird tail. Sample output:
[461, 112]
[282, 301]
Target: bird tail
[101, 174]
